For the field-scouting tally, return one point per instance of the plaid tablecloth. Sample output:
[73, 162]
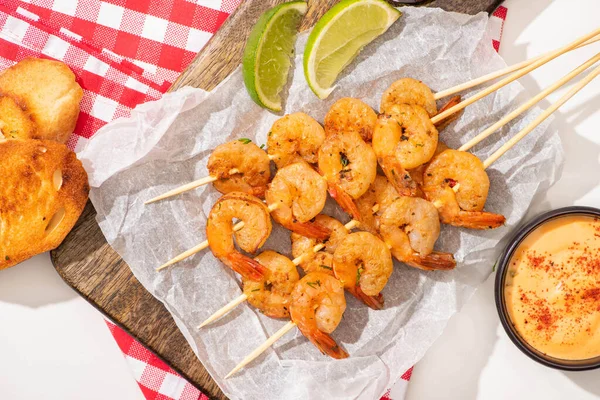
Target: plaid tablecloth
[126, 52]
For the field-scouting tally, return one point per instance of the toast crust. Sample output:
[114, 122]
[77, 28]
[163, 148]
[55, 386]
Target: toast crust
[15, 121]
[29, 198]
[48, 91]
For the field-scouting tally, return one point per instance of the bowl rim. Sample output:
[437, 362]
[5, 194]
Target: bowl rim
[502, 267]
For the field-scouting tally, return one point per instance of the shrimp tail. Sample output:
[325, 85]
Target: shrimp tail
[434, 261]
[398, 177]
[245, 266]
[478, 220]
[374, 302]
[310, 230]
[325, 343]
[440, 126]
[344, 200]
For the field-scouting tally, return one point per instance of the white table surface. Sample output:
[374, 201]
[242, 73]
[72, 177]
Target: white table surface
[53, 345]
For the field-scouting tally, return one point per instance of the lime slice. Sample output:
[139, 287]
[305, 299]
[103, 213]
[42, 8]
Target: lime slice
[339, 36]
[268, 52]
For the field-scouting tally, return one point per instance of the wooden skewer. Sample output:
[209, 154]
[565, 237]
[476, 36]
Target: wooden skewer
[497, 74]
[193, 185]
[443, 115]
[204, 245]
[268, 343]
[555, 106]
[224, 310]
[189, 186]
[527, 105]
[241, 298]
[259, 350]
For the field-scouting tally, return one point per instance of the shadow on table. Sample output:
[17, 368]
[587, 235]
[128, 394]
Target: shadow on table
[34, 283]
[461, 364]
[587, 380]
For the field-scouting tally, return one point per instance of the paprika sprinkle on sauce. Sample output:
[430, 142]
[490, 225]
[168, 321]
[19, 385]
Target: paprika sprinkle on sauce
[552, 288]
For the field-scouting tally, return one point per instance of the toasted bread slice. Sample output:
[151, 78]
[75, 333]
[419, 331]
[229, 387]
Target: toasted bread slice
[43, 190]
[15, 121]
[48, 91]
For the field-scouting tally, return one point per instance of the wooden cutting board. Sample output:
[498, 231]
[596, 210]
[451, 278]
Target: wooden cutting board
[88, 264]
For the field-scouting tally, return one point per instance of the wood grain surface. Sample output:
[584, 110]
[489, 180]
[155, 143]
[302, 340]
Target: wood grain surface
[88, 264]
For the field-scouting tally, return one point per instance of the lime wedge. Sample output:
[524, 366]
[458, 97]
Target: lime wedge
[339, 36]
[268, 52]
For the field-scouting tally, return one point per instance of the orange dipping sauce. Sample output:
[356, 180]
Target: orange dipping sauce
[552, 288]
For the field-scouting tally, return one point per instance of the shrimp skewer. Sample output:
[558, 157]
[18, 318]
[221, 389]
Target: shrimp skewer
[317, 307]
[303, 248]
[293, 138]
[300, 193]
[464, 208]
[351, 115]
[240, 165]
[203, 245]
[236, 166]
[404, 138]
[349, 165]
[411, 226]
[413, 92]
[363, 263]
[306, 256]
[219, 232]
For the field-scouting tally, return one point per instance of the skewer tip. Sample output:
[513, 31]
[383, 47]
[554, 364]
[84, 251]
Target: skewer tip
[152, 200]
[233, 371]
[165, 265]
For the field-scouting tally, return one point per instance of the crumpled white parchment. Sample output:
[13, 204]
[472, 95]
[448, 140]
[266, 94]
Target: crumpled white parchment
[167, 143]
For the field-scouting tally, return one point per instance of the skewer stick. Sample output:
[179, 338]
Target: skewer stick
[259, 350]
[527, 105]
[499, 73]
[555, 106]
[286, 328]
[240, 299]
[443, 115]
[268, 343]
[188, 186]
[230, 306]
[204, 245]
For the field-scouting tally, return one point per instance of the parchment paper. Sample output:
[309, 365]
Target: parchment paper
[167, 143]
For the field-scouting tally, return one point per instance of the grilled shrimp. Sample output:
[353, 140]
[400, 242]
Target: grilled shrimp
[413, 92]
[300, 193]
[363, 263]
[317, 307]
[272, 294]
[404, 138]
[371, 205]
[252, 164]
[417, 173]
[351, 115]
[321, 261]
[408, 91]
[295, 137]
[411, 225]
[465, 207]
[257, 228]
[350, 166]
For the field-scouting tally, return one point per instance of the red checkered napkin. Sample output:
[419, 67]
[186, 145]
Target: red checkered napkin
[126, 52]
